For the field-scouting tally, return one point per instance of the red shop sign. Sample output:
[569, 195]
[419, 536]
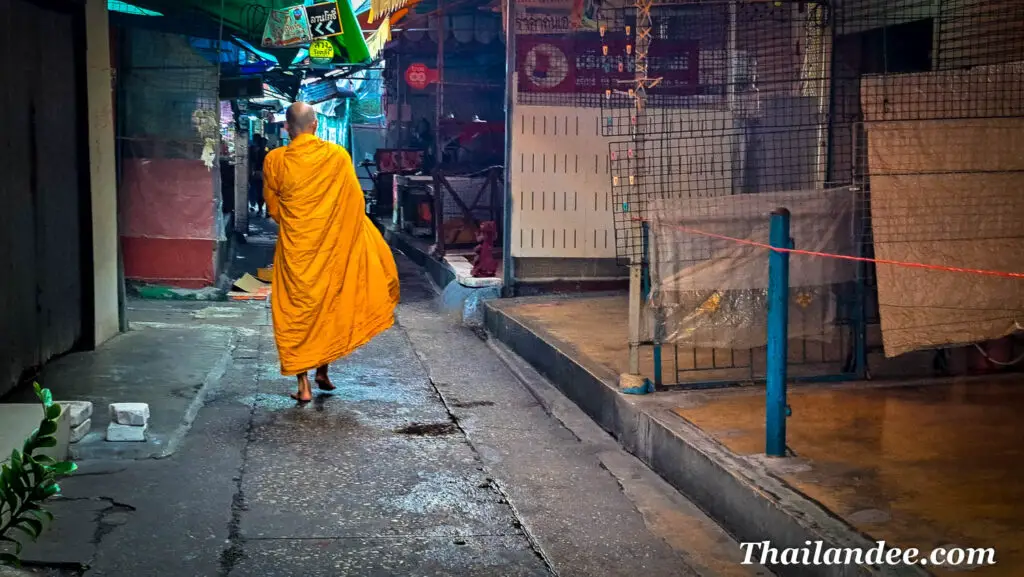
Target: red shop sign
[418, 76]
[579, 64]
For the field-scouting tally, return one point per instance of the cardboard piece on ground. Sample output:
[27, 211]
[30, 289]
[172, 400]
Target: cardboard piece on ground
[250, 288]
[249, 284]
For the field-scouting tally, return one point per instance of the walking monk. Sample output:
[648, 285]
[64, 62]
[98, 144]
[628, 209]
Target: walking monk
[335, 283]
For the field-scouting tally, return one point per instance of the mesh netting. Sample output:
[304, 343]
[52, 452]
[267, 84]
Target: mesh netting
[170, 140]
[710, 284]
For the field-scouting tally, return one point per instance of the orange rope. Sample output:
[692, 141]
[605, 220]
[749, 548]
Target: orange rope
[983, 272]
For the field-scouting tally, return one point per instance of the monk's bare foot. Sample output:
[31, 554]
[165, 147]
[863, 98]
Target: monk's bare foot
[305, 392]
[323, 382]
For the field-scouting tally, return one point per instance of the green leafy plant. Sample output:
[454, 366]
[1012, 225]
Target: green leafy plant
[27, 480]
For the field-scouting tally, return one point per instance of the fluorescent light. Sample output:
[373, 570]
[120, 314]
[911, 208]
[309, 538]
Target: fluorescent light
[126, 8]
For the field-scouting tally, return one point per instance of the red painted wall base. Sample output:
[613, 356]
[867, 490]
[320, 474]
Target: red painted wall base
[182, 263]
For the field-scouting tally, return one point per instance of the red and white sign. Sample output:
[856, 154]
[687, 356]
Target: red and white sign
[418, 76]
[578, 64]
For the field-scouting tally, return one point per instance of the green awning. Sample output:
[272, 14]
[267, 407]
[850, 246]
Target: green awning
[247, 18]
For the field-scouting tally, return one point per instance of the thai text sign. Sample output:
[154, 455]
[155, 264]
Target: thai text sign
[578, 64]
[324, 19]
[554, 17]
[543, 22]
[321, 51]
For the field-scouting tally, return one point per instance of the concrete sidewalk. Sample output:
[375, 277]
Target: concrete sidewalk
[173, 353]
[925, 464]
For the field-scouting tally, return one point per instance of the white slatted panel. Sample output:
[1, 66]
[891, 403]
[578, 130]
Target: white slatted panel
[561, 180]
[561, 184]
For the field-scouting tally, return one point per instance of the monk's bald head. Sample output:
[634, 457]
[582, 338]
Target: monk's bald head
[300, 119]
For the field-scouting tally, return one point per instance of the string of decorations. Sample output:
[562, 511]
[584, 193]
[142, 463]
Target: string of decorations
[637, 87]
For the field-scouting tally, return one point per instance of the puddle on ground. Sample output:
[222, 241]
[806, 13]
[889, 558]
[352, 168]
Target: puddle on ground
[321, 419]
[315, 414]
[440, 493]
[361, 383]
[428, 429]
[268, 402]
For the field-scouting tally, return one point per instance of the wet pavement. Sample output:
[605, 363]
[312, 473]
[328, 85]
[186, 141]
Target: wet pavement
[920, 465]
[431, 458]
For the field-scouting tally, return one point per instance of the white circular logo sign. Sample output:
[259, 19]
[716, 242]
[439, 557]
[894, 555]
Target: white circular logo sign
[546, 66]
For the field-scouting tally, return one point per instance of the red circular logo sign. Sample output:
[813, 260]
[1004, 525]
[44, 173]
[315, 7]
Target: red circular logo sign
[417, 76]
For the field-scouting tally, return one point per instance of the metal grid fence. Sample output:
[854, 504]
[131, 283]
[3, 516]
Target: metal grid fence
[815, 102]
[920, 97]
[740, 107]
[772, 98]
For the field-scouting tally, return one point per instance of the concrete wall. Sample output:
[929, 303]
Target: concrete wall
[103, 174]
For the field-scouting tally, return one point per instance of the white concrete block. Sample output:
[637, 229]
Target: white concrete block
[125, 433]
[80, 431]
[78, 411]
[463, 270]
[133, 414]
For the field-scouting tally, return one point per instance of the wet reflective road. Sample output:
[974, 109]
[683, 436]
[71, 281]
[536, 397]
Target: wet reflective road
[430, 458]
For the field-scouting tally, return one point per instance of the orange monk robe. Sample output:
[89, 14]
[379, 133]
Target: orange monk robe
[335, 283]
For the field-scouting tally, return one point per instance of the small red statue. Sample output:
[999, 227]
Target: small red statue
[484, 265]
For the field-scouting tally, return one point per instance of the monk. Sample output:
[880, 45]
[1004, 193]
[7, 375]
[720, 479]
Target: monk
[335, 282]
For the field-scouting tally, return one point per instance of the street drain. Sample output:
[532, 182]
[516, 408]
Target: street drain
[428, 429]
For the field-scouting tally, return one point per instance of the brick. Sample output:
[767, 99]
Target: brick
[125, 433]
[78, 411]
[79, 431]
[133, 414]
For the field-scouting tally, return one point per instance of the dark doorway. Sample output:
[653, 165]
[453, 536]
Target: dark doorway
[45, 300]
[896, 49]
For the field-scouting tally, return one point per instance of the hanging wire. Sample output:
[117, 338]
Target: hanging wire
[254, 16]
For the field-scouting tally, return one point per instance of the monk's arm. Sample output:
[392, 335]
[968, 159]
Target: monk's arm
[270, 195]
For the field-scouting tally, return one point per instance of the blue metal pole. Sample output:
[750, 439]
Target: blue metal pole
[860, 361]
[645, 283]
[657, 354]
[778, 327]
